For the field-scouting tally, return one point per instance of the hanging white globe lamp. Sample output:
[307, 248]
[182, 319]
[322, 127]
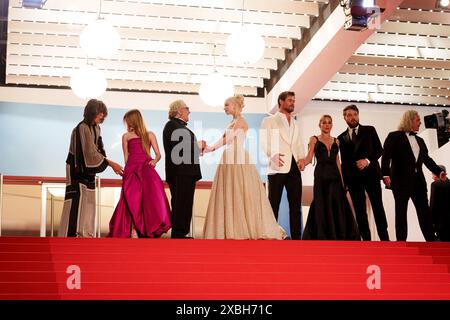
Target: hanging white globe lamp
[88, 82]
[245, 45]
[100, 39]
[215, 88]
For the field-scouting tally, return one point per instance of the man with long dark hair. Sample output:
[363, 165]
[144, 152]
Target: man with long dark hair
[86, 158]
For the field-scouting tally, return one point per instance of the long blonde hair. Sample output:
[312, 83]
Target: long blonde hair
[135, 122]
[407, 118]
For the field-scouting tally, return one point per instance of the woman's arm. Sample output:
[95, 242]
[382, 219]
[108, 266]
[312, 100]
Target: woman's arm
[155, 147]
[338, 163]
[311, 147]
[125, 147]
[228, 136]
[117, 168]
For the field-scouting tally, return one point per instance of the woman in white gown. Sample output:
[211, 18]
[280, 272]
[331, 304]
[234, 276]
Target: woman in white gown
[238, 206]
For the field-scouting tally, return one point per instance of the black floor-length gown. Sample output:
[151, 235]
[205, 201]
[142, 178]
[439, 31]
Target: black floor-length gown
[330, 216]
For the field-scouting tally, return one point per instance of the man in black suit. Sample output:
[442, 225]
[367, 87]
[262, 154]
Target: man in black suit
[440, 206]
[401, 165]
[182, 166]
[360, 150]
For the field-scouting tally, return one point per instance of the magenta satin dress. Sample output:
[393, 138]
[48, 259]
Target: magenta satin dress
[143, 200]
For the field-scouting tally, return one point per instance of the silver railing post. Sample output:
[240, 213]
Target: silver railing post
[193, 225]
[52, 214]
[1, 202]
[99, 208]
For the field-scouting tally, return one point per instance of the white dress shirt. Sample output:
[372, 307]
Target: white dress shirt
[289, 125]
[414, 145]
[350, 131]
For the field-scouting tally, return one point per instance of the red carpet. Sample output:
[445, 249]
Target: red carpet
[35, 268]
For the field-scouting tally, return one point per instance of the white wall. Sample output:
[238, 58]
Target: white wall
[385, 118]
[120, 99]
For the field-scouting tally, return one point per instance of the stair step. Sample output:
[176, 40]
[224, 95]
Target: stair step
[35, 268]
[306, 276]
[205, 288]
[198, 257]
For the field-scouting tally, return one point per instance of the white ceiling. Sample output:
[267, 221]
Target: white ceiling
[168, 46]
[406, 61]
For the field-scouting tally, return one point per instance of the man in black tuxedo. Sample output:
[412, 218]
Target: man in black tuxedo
[440, 206]
[360, 150]
[182, 166]
[401, 165]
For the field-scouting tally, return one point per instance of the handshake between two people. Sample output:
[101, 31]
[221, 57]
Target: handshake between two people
[204, 148]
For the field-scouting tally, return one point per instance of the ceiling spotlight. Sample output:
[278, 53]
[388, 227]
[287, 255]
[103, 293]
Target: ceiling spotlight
[361, 14]
[33, 4]
[442, 4]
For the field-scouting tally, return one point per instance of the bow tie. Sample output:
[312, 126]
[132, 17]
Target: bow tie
[412, 133]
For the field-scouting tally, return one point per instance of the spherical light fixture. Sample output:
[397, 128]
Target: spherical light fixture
[215, 88]
[100, 39]
[88, 82]
[245, 46]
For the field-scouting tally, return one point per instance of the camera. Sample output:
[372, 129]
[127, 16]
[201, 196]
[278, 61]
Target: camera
[358, 13]
[441, 123]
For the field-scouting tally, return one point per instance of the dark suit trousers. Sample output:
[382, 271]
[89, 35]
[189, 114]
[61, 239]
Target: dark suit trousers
[182, 189]
[420, 200]
[358, 191]
[293, 183]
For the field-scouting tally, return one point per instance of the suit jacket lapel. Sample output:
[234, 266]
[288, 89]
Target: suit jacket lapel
[346, 136]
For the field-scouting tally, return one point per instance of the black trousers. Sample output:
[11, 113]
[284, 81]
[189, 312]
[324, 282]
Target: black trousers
[358, 191]
[293, 183]
[420, 200]
[182, 189]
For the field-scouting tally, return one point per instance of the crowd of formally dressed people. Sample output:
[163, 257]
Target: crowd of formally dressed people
[346, 168]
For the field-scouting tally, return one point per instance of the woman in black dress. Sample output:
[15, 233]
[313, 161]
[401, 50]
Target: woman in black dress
[330, 216]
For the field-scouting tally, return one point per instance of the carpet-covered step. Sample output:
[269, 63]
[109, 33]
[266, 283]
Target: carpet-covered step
[156, 266]
[224, 276]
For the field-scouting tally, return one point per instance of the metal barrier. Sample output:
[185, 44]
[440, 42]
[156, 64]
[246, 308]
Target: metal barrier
[53, 184]
[48, 187]
[99, 206]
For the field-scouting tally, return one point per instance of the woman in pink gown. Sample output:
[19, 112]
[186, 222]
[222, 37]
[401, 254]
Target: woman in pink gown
[143, 209]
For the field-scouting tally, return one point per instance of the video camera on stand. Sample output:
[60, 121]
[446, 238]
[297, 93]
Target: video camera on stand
[441, 123]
